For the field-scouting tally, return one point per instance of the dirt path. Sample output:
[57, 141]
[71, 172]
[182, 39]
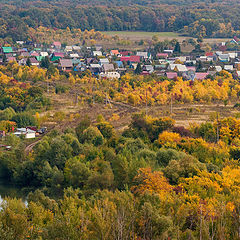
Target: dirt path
[29, 148]
[124, 111]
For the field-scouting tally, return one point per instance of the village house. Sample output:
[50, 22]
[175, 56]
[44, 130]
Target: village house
[76, 48]
[44, 54]
[223, 57]
[25, 54]
[114, 53]
[200, 75]
[107, 67]
[162, 55]
[57, 45]
[73, 55]
[110, 75]
[65, 65]
[28, 133]
[97, 53]
[144, 55]
[80, 67]
[6, 50]
[134, 59]
[68, 49]
[22, 62]
[228, 67]
[34, 61]
[125, 53]
[171, 75]
[103, 61]
[148, 68]
[95, 68]
[11, 59]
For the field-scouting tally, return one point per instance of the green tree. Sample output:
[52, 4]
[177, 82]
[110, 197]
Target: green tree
[28, 62]
[138, 69]
[177, 48]
[45, 62]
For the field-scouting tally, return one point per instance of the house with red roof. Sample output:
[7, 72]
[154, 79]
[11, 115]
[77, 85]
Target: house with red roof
[125, 59]
[125, 53]
[134, 59]
[162, 55]
[209, 54]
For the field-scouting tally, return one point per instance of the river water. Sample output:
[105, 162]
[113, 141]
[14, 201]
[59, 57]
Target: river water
[8, 190]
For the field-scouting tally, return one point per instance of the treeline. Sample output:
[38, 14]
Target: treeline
[209, 19]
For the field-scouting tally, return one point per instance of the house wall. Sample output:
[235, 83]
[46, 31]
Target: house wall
[30, 135]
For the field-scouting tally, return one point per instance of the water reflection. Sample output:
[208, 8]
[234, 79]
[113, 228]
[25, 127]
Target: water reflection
[8, 190]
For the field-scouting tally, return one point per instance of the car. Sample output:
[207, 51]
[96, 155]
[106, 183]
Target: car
[42, 130]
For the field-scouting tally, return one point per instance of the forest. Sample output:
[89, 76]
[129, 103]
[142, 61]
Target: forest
[190, 18]
[154, 179]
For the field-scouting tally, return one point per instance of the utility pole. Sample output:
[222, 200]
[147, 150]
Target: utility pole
[108, 101]
[171, 108]
[93, 95]
[200, 237]
[146, 102]
[217, 129]
[76, 99]
[47, 83]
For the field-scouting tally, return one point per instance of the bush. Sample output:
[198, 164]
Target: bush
[168, 139]
[92, 135]
[61, 89]
[164, 156]
[183, 168]
[106, 129]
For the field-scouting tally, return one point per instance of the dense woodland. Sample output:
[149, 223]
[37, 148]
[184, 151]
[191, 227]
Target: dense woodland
[153, 180]
[192, 18]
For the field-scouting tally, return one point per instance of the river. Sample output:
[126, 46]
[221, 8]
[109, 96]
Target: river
[8, 190]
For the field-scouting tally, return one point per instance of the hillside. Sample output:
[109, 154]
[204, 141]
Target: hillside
[190, 17]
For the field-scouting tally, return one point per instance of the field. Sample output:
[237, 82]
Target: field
[137, 36]
[183, 114]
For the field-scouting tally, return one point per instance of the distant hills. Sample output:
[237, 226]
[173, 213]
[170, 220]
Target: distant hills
[117, 2]
[209, 18]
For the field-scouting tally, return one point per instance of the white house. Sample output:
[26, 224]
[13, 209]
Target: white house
[74, 55]
[25, 131]
[228, 67]
[110, 75]
[177, 67]
[97, 53]
[103, 61]
[144, 55]
[168, 51]
[218, 68]
[44, 54]
[76, 48]
[232, 55]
